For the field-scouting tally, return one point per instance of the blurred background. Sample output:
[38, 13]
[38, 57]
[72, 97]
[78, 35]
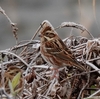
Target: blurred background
[28, 14]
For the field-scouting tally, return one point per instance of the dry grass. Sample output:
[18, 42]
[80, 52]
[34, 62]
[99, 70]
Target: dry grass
[35, 81]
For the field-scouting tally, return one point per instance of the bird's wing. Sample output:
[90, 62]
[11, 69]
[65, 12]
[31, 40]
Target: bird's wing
[59, 49]
[66, 56]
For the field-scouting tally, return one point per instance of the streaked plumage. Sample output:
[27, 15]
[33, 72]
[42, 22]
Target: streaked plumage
[54, 51]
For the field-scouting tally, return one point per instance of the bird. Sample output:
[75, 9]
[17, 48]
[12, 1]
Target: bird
[54, 51]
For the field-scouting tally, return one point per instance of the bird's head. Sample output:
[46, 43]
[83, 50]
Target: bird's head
[47, 34]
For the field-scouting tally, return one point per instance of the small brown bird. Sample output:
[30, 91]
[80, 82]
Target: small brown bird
[54, 51]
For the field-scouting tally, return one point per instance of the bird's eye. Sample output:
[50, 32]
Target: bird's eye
[50, 35]
[47, 33]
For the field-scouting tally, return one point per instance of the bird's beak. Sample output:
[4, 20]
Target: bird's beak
[39, 35]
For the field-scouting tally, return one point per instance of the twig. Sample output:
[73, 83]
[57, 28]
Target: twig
[79, 96]
[93, 94]
[25, 44]
[13, 25]
[90, 60]
[83, 73]
[43, 97]
[93, 66]
[31, 63]
[6, 52]
[2, 76]
[78, 26]
[3, 92]
[50, 87]
[37, 31]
